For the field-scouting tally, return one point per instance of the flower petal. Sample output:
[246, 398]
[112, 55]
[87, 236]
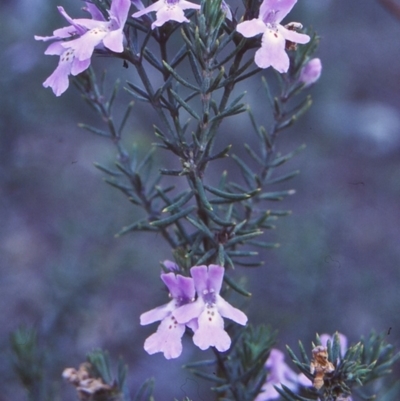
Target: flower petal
[79, 27]
[211, 331]
[272, 52]
[179, 286]
[167, 339]
[215, 277]
[61, 33]
[94, 11]
[153, 7]
[293, 36]
[157, 314]
[55, 48]
[84, 46]
[185, 5]
[280, 8]
[58, 81]
[251, 28]
[200, 276]
[79, 65]
[114, 41]
[119, 9]
[171, 13]
[186, 313]
[228, 311]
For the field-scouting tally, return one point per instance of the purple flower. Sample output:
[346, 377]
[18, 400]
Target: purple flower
[67, 65]
[109, 33]
[272, 52]
[171, 266]
[278, 373]
[311, 72]
[167, 338]
[209, 309]
[75, 54]
[167, 10]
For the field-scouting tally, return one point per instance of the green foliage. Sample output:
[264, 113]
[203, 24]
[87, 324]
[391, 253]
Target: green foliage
[363, 363]
[239, 373]
[28, 361]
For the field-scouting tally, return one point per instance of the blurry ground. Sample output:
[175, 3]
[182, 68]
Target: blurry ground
[63, 271]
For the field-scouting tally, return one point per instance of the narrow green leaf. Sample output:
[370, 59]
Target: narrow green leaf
[216, 219]
[242, 238]
[185, 105]
[94, 130]
[206, 257]
[208, 376]
[137, 91]
[231, 196]
[152, 59]
[283, 159]
[277, 196]
[173, 218]
[283, 178]
[201, 192]
[235, 286]
[183, 199]
[106, 170]
[202, 227]
[247, 173]
[110, 103]
[125, 117]
[180, 79]
[265, 245]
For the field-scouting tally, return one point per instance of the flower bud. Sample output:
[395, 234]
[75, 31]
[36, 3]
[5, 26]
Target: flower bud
[311, 72]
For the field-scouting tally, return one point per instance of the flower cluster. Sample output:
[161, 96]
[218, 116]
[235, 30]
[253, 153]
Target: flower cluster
[85, 35]
[74, 44]
[203, 315]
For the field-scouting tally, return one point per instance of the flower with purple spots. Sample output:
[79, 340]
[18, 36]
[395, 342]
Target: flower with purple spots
[167, 10]
[209, 309]
[167, 338]
[274, 36]
[85, 35]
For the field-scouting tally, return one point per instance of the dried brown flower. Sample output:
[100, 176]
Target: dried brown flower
[320, 365]
[86, 385]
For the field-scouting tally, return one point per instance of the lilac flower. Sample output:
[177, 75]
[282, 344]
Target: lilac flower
[278, 373]
[75, 54]
[68, 64]
[311, 72]
[110, 32]
[167, 10]
[209, 308]
[167, 338]
[272, 51]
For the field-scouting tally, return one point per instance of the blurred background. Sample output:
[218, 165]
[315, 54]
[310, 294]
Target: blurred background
[63, 271]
